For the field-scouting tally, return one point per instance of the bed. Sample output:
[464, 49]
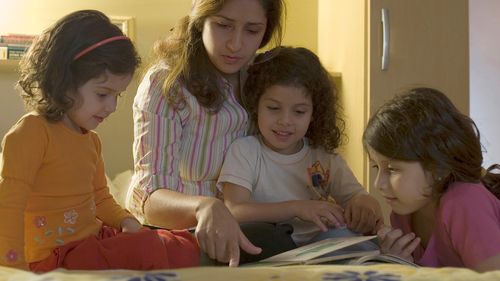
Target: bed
[379, 272]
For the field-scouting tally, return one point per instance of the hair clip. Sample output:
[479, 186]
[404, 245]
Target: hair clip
[98, 44]
[266, 56]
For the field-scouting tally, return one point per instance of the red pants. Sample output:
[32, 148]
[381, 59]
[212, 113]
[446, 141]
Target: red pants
[111, 249]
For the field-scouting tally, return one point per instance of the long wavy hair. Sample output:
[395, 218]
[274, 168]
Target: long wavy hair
[423, 125]
[50, 76]
[298, 67]
[184, 53]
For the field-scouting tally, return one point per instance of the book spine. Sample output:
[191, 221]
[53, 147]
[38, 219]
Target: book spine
[3, 52]
[16, 52]
[17, 39]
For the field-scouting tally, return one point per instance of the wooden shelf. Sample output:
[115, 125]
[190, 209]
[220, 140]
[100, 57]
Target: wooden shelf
[335, 74]
[8, 65]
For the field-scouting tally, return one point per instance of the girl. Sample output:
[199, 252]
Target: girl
[186, 113]
[428, 158]
[53, 178]
[273, 176]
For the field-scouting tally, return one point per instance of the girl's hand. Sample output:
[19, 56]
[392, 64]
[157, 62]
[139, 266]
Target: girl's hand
[363, 214]
[321, 213]
[219, 234]
[392, 241]
[130, 225]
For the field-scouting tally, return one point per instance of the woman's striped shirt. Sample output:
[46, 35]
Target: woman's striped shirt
[179, 146]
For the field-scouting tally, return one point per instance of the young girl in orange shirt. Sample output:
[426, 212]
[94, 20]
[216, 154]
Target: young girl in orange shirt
[55, 205]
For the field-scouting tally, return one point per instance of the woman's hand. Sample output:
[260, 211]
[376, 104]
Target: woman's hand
[130, 225]
[321, 213]
[219, 234]
[392, 241]
[363, 214]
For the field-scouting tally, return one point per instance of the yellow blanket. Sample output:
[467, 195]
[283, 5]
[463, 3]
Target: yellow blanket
[380, 272]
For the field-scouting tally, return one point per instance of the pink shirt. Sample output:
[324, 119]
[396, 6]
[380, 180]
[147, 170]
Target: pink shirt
[467, 229]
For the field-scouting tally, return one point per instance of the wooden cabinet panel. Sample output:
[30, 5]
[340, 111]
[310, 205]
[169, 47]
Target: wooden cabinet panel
[428, 47]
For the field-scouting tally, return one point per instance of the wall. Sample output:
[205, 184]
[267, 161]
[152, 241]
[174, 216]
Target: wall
[349, 59]
[301, 27]
[484, 19]
[153, 20]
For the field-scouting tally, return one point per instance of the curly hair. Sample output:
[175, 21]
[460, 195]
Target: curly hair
[423, 125]
[184, 53]
[298, 67]
[50, 75]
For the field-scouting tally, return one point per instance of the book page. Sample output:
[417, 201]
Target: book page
[317, 249]
[381, 258]
[342, 256]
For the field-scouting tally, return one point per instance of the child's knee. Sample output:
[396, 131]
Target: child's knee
[182, 248]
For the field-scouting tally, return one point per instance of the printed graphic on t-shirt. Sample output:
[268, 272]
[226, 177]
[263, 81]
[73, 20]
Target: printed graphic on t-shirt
[318, 182]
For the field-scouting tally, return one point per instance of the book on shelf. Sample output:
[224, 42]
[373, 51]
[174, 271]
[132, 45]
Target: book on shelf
[18, 39]
[3, 52]
[15, 51]
[338, 250]
[14, 46]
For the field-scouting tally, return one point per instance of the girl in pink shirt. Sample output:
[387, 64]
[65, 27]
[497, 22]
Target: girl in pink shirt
[445, 206]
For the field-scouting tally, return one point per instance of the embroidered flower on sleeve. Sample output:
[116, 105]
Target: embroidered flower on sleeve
[11, 256]
[70, 217]
[40, 221]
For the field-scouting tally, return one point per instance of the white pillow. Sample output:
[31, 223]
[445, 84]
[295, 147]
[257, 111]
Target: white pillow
[120, 186]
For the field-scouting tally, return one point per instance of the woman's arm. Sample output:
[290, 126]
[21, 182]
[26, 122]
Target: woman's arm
[218, 233]
[174, 210]
[157, 135]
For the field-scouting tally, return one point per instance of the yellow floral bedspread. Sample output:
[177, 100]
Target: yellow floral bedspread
[380, 272]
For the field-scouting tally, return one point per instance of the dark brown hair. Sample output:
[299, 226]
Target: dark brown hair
[49, 74]
[423, 125]
[184, 52]
[298, 67]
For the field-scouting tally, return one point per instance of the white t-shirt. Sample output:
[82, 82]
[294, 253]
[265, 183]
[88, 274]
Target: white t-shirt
[274, 177]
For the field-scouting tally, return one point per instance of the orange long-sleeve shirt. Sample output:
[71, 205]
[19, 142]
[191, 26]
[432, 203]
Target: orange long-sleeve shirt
[53, 190]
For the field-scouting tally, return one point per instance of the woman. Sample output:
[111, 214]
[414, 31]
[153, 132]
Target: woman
[187, 112]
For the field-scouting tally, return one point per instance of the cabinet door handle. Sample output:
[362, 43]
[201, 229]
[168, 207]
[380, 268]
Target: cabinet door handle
[386, 38]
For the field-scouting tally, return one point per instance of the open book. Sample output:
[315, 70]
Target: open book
[324, 251]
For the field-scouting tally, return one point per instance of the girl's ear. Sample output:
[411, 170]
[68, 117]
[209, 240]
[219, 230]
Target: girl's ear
[430, 177]
[436, 179]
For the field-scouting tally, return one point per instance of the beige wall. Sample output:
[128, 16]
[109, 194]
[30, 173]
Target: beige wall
[484, 18]
[153, 19]
[302, 24]
[349, 59]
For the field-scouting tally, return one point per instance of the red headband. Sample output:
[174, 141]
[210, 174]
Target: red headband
[98, 44]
